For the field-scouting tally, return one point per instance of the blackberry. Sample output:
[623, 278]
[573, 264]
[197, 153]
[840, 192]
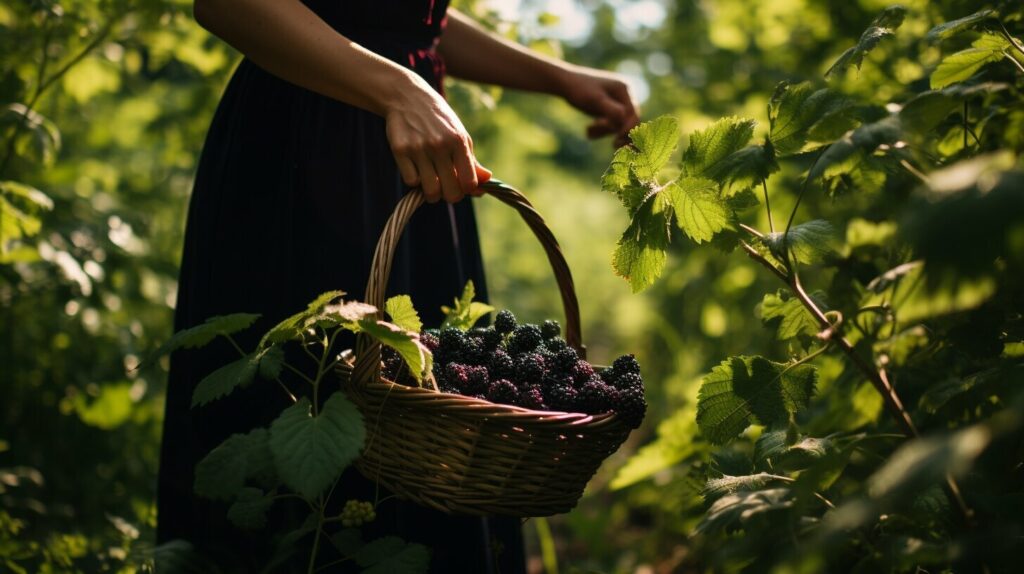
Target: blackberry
[524, 338]
[626, 364]
[452, 339]
[550, 329]
[491, 339]
[477, 381]
[581, 372]
[501, 365]
[531, 397]
[529, 368]
[476, 332]
[631, 406]
[504, 322]
[473, 351]
[503, 391]
[456, 375]
[430, 341]
[432, 331]
[628, 381]
[565, 360]
[391, 363]
[596, 396]
[561, 397]
[556, 344]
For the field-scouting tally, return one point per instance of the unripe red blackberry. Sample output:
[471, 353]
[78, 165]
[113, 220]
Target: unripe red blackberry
[550, 329]
[631, 406]
[529, 368]
[430, 341]
[456, 375]
[581, 372]
[503, 391]
[524, 338]
[504, 322]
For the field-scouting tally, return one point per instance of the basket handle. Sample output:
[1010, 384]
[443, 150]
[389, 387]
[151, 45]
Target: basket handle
[367, 362]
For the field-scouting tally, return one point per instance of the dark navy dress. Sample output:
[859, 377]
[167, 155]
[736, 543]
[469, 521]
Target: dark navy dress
[291, 193]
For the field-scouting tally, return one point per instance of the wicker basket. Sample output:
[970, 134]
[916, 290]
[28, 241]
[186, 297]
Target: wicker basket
[465, 455]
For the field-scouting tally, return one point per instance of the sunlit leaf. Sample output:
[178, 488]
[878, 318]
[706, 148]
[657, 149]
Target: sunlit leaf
[407, 343]
[403, 314]
[745, 390]
[718, 487]
[712, 145]
[292, 327]
[865, 139]
[640, 254]
[809, 242]
[774, 450]
[310, 452]
[949, 29]
[654, 142]
[699, 211]
[965, 63]
[883, 26]
[797, 110]
[793, 318]
[466, 311]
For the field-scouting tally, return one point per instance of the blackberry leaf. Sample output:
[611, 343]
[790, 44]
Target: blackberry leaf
[403, 314]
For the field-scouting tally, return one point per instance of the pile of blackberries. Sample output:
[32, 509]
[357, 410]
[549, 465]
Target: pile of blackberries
[529, 366]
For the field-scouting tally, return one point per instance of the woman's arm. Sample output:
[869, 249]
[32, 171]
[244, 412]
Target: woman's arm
[430, 144]
[472, 53]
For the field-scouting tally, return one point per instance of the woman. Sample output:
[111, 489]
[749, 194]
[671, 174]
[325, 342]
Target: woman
[335, 111]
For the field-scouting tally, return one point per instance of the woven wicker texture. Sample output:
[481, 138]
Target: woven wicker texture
[466, 455]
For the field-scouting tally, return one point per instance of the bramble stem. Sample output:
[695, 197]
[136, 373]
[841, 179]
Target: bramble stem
[1009, 38]
[966, 111]
[316, 539]
[768, 206]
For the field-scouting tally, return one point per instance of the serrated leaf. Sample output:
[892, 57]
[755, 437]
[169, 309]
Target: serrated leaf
[466, 312]
[655, 142]
[809, 242]
[640, 254]
[797, 110]
[203, 333]
[794, 318]
[346, 314]
[620, 181]
[745, 390]
[292, 327]
[222, 473]
[407, 343]
[699, 211]
[249, 510]
[271, 362]
[948, 29]
[391, 554]
[403, 314]
[773, 450]
[865, 139]
[223, 381]
[712, 145]
[310, 452]
[965, 63]
[744, 169]
[718, 487]
[883, 26]
[734, 510]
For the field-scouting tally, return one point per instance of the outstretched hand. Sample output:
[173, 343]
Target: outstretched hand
[605, 97]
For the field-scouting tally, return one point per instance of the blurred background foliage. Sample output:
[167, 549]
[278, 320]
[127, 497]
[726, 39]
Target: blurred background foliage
[104, 105]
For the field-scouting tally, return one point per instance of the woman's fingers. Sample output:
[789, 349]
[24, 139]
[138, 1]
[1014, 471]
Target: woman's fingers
[406, 167]
[465, 170]
[428, 178]
[451, 189]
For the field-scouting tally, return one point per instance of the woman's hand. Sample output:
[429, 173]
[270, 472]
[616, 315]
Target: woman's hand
[605, 97]
[431, 146]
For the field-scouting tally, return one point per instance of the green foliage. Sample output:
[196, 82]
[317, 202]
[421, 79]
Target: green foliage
[465, 313]
[883, 26]
[403, 314]
[222, 473]
[311, 449]
[964, 64]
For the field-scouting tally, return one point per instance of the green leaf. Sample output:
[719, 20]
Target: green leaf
[222, 473]
[403, 314]
[407, 343]
[864, 140]
[710, 146]
[654, 143]
[965, 63]
[223, 381]
[466, 312]
[346, 314]
[310, 452]
[744, 169]
[640, 254]
[699, 211]
[797, 111]
[809, 242]
[775, 451]
[293, 327]
[941, 393]
[45, 134]
[31, 196]
[249, 510]
[202, 334]
[390, 554]
[922, 113]
[745, 390]
[883, 26]
[948, 29]
[718, 487]
[795, 319]
[735, 510]
[271, 362]
[619, 180]
[926, 461]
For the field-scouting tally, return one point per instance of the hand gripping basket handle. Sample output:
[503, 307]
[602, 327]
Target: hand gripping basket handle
[367, 363]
